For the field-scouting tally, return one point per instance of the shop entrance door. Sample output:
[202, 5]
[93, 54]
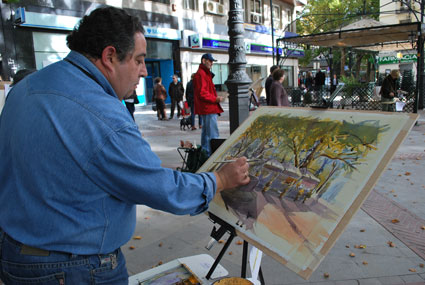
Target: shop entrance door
[153, 68]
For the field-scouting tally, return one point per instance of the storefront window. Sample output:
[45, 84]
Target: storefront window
[256, 72]
[159, 49]
[289, 76]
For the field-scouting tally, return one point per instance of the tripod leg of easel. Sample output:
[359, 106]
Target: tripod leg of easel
[260, 273]
[244, 259]
[220, 256]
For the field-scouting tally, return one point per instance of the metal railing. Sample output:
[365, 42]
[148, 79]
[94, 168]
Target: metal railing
[359, 97]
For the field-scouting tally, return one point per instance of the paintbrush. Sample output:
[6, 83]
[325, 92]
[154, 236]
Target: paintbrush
[233, 160]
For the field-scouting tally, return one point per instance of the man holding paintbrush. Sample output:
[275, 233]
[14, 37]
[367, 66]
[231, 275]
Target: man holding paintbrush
[74, 163]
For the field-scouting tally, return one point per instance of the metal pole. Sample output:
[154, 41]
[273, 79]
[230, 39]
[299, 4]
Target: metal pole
[238, 81]
[271, 21]
[419, 76]
[419, 92]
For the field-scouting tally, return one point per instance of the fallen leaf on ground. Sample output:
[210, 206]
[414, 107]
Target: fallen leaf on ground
[407, 173]
[412, 269]
[326, 275]
[399, 175]
[239, 242]
[137, 237]
[362, 246]
[147, 218]
[221, 241]
[395, 195]
[352, 254]
[159, 263]
[356, 246]
[421, 265]
[347, 246]
[362, 230]
[390, 169]
[365, 263]
[392, 191]
[230, 252]
[423, 227]
[160, 244]
[391, 244]
[395, 221]
[131, 247]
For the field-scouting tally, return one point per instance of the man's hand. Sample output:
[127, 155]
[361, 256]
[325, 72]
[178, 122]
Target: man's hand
[219, 99]
[391, 94]
[233, 174]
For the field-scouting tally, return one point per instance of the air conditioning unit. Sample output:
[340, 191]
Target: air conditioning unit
[255, 18]
[220, 9]
[212, 7]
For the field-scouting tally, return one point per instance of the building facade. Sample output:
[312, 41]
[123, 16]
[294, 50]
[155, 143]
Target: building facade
[178, 32]
[399, 12]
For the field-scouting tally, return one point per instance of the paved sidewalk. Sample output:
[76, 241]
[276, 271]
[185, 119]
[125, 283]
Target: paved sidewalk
[399, 193]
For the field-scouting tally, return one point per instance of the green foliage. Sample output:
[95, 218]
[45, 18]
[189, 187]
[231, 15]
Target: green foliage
[350, 84]
[327, 15]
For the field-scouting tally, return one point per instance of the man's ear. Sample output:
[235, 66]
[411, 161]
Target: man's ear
[109, 55]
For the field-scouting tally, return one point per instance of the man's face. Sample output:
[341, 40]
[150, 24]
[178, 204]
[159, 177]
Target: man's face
[175, 79]
[208, 63]
[127, 73]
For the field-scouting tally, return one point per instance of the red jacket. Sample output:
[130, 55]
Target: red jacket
[205, 94]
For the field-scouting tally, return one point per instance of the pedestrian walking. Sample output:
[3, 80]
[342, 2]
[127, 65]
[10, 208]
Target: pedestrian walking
[176, 92]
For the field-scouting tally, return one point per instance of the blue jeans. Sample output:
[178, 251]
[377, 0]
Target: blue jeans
[192, 115]
[209, 131]
[21, 264]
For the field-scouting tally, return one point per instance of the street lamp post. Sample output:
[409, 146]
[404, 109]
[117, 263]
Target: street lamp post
[238, 81]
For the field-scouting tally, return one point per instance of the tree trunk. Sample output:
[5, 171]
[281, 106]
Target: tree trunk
[343, 61]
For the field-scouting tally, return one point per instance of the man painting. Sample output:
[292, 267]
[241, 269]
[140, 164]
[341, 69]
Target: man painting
[75, 164]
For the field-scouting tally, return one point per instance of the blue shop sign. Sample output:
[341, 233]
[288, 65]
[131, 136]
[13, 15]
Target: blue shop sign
[162, 33]
[264, 49]
[295, 53]
[216, 44]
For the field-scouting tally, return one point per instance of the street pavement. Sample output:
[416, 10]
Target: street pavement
[398, 194]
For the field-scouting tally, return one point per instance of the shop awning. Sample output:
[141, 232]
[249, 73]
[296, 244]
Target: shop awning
[366, 35]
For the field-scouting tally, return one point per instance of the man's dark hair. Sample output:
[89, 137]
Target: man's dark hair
[157, 80]
[278, 73]
[104, 27]
[273, 68]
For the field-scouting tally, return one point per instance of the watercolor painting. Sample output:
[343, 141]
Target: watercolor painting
[178, 275]
[312, 171]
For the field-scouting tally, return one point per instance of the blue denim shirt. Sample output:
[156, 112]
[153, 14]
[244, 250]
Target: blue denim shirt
[73, 164]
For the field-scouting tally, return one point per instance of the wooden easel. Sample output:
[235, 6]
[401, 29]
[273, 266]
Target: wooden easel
[217, 234]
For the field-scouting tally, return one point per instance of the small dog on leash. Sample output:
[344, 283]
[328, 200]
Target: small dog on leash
[185, 122]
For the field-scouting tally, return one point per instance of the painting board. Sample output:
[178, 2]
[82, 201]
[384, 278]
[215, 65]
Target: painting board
[314, 170]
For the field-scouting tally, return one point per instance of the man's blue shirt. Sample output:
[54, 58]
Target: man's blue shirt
[73, 164]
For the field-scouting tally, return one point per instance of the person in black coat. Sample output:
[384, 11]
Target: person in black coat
[130, 102]
[176, 92]
[389, 90]
[269, 82]
[319, 80]
[191, 103]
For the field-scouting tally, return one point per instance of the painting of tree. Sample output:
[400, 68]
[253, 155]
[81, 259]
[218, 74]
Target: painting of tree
[310, 169]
